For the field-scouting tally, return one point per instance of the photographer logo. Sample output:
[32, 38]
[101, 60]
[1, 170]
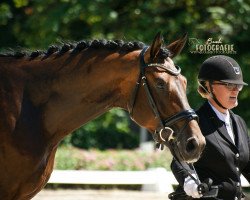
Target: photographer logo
[210, 46]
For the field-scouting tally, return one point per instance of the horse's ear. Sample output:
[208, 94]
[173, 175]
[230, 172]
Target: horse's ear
[154, 49]
[176, 47]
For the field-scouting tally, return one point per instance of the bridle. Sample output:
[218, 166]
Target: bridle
[165, 125]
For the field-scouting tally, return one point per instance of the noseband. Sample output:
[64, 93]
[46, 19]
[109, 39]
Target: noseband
[188, 114]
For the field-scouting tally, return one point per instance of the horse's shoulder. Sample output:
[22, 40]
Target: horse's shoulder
[11, 92]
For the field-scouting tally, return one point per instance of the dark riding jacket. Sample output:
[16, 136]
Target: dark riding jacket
[222, 160]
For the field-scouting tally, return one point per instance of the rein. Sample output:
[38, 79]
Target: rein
[206, 189]
[188, 114]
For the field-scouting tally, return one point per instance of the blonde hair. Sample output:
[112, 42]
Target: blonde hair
[202, 89]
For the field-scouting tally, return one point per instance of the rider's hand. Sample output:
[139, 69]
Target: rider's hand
[191, 188]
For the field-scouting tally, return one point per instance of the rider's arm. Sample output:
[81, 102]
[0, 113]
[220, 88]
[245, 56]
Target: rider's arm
[190, 182]
[180, 171]
[246, 170]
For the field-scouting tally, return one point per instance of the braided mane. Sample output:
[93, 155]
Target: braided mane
[113, 45]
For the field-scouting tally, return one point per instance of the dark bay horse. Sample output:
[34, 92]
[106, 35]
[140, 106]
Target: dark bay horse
[46, 95]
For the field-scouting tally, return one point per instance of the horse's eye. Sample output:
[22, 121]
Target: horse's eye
[160, 84]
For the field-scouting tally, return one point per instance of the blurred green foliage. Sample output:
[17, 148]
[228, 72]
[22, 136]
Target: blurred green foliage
[109, 131]
[36, 24]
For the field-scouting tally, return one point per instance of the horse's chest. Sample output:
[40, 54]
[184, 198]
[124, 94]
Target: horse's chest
[23, 176]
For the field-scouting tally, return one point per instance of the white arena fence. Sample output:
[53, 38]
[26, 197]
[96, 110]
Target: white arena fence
[156, 179]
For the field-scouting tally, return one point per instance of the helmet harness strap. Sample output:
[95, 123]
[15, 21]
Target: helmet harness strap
[214, 97]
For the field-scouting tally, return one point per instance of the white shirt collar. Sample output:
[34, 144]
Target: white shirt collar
[225, 117]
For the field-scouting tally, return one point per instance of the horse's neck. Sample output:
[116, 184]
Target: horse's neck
[80, 89]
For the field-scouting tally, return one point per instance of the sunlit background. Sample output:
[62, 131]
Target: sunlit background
[113, 141]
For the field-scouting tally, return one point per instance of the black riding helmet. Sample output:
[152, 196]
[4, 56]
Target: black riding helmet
[221, 68]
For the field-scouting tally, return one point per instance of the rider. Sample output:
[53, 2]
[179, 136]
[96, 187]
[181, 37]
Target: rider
[227, 152]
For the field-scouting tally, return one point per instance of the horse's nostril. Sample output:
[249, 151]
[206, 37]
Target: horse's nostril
[192, 145]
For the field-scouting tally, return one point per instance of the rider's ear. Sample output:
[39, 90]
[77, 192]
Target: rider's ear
[154, 49]
[176, 47]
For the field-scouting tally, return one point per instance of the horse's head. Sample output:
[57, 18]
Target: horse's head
[160, 104]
